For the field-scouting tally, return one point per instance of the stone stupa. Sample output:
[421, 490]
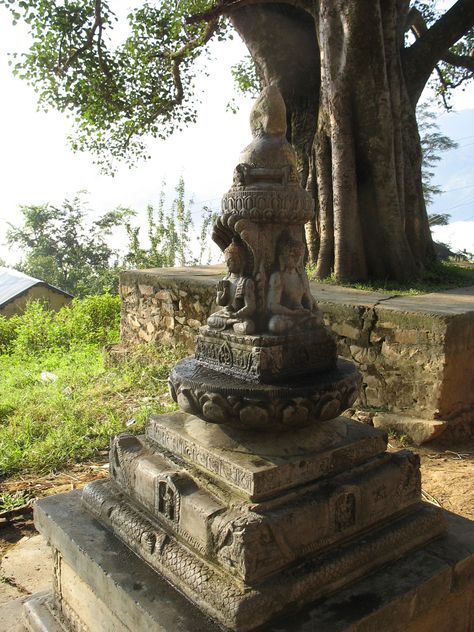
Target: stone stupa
[257, 498]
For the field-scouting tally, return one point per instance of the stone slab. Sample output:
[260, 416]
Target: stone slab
[418, 593]
[139, 598]
[419, 431]
[11, 615]
[242, 606]
[40, 615]
[261, 465]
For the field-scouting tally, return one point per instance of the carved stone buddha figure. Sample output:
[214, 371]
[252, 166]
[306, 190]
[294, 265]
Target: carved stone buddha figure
[290, 302]
[236, 294]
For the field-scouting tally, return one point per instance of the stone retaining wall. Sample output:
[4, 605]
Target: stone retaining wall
[416, 353]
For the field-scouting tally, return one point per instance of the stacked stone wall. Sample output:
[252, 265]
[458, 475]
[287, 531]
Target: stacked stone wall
[415, 362]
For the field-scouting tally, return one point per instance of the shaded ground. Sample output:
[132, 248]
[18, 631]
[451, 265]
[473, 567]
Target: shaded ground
[18, 523]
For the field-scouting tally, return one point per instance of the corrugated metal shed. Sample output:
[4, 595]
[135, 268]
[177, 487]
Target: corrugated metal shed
[14, 283]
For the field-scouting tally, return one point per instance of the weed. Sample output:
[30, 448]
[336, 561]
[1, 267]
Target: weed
[59, 403]
[12, 501]
[400, 438]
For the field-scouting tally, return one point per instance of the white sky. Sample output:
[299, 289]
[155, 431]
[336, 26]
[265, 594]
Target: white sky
[38, 167]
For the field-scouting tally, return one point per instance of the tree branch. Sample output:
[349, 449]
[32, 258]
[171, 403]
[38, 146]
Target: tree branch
[89, 40]
[420, 58]
[460, 61]
[224, 7]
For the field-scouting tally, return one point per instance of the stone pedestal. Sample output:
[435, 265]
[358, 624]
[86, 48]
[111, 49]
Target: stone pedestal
[258, 499]
[250, 525]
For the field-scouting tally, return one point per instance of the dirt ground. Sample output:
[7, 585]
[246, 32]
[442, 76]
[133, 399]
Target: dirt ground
[447, 475]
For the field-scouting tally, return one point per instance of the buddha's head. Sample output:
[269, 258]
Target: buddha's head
[290, 253]
[235, 257]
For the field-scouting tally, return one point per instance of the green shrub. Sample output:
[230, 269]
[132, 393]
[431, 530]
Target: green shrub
[8, 332]
[38, 330]
[93, 320]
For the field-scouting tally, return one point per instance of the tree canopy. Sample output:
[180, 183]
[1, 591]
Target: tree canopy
[350, 71]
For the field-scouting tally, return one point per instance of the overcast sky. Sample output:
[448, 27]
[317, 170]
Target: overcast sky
[37, 165]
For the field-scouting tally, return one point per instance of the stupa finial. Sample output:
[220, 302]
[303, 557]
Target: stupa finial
[268, 115]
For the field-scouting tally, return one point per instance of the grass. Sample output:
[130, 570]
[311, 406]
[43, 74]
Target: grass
[46, 424]
[442, 276]
[59, 402]
[9, 501]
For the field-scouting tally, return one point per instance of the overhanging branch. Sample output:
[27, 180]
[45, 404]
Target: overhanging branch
[433, 44]
[225, 7]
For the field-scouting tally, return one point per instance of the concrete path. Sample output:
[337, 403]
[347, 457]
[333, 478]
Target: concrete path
[25, 569]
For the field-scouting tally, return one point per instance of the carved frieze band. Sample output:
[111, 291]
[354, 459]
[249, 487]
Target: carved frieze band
[257, 363]
[277, 409]
[265, 482]
[291, 206]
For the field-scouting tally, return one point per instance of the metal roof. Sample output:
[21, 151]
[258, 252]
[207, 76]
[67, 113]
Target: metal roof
[14, 283]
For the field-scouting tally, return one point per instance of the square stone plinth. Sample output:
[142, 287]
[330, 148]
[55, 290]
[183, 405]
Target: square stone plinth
[267, 358]
[101, 586]
[262, 465]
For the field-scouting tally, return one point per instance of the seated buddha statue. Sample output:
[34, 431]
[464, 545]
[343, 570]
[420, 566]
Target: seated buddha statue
[236, 294]
[290, 302]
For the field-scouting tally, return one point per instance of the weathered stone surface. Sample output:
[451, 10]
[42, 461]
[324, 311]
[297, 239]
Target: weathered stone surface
[260, 466]
[240, 535]
[40, 614]
[294, 403]
[267, 358]
[416, 588]
[98, 567]
[417, 430]
[331, 507]
[29, 564]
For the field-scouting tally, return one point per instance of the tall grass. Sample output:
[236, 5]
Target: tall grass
[59, 403]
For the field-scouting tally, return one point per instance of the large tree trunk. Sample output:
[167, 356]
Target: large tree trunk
[354, 129]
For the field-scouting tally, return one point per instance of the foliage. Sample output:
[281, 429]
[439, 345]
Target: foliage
[9, 501]
[47, 425]
[433, 144]
[247, 80]
[448, 74]
[170, 234]
[8, 332]
[117, 92]
[65, 249]
[59, 402]
[92, 320]
[438, 219]
[120, 92]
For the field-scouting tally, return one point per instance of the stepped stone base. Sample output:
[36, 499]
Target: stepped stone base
[250, 526]
[101, 586]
